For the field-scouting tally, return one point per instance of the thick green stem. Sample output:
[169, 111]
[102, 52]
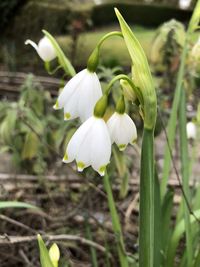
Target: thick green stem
[147, 183]
[116, 223]
[185, 176]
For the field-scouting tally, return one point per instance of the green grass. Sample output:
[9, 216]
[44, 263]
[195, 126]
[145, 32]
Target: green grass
[113, 48]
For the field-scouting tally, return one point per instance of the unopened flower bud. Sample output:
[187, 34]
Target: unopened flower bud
[100, 107]
[44, 49]
[54, 254]
[128, 90]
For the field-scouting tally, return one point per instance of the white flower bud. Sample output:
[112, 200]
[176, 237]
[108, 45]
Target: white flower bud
[44, 49]
[191, 130]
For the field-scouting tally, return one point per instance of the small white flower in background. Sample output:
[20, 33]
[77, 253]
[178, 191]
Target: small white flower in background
[184, 4]
[44, 49]
[90, 145]
[80, 95]
[191, 130]
[122, 130]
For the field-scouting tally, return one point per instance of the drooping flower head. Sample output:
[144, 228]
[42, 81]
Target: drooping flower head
[121, 127]
[191, 130]
[91, 144]
[44, 49]
[80, 95]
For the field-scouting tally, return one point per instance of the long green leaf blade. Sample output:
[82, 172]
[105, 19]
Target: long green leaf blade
[16, 204]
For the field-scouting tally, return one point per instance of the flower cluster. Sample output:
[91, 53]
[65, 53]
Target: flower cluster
[82, 98]
[91, 143]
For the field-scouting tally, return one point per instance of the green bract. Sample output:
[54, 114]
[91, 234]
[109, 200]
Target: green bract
[140, 73]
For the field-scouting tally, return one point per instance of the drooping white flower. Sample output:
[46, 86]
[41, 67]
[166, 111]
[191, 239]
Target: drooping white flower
[80, 95]
[90, 145]
[122, 130]
[191, 130]
[184, 4]
[44, 49]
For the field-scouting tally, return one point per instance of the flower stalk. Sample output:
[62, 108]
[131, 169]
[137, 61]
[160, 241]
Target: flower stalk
[116, 223]
[142, 78]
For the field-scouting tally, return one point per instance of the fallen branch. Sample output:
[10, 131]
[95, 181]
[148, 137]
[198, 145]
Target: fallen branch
[8, 240]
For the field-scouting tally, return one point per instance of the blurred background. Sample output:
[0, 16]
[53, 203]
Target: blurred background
[33, 137]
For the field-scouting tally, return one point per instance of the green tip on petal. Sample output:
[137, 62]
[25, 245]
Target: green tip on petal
[56, 106]
[65, 158]
[122, 147]
[67, 116]
[80, 166]
[102, 170]
[134, 141]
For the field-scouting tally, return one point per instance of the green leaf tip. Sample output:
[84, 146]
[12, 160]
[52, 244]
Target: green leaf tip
[45, 259]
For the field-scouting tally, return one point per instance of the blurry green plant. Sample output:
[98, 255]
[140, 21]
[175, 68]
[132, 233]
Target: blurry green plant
[48, 258]
[30, 131]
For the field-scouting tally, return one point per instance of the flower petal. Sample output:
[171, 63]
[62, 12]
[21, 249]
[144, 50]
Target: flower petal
[122, 130]
[100, 146]
[70, 88]
[89, 93]
[33, 44]
[76, 140]
[46, 50]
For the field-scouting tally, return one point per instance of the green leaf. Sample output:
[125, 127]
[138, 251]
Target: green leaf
[166, 213]
[176, 237]
[44, 254]
[7, 126]
[31, 145]
[16, 204]
[64, 61]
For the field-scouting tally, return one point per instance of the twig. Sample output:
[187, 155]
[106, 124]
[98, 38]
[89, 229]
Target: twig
[19, 224]
[8, 240]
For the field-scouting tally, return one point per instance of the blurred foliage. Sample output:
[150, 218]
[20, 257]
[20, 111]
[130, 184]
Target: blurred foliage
[139, 13]
[30, 131]
[7, 11]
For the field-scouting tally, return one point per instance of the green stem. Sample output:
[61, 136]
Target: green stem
[146, 235]
[125, 77]
[171, 128]
[48, 68]
[116, 223]
[185, 175]
[108, 35]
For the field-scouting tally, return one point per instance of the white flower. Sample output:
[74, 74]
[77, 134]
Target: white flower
[184, 4]
[191, 130]
[122, 130]
[44, 49]
[80, 95]
[90, 145]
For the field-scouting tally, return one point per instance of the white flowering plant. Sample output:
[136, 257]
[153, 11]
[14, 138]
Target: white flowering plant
[91, 144]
